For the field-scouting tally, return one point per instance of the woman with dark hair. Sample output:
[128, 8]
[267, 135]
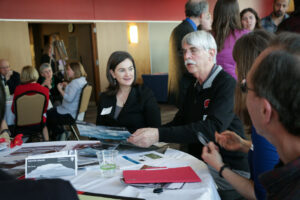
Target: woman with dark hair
[125, 103]
[263, 156]
[66, 112]
[226, 29]
[250, 19]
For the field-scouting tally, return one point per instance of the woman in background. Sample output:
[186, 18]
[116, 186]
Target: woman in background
[66, 112]
[48, 80]
[29, 77]
[250, 19]
[263, 156]
[226, 29]
[125, 103]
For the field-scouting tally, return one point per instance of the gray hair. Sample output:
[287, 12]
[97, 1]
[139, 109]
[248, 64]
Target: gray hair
[202, 39]
[44, 66]
[195, 9]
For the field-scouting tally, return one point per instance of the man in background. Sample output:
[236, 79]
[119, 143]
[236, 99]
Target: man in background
[271, 22]
[197, 15]
[9, 77]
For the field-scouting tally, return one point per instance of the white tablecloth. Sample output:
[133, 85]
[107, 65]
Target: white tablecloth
[90, 180]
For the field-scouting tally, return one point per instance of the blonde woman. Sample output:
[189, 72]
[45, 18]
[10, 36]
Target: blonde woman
[66, 112]
[29, 77]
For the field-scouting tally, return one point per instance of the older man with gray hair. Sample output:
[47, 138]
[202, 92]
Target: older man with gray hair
[207, 108]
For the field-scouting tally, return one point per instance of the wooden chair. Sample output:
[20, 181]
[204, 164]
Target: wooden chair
[29, 108]
[82, 106]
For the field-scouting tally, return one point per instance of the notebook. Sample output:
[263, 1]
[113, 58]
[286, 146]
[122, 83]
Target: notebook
[170, 175]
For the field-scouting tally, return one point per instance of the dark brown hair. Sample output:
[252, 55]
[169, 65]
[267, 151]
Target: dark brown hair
[226, 20]
[257, 24]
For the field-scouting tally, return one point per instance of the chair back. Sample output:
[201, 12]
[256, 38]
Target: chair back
[84, 99]
[29, 108]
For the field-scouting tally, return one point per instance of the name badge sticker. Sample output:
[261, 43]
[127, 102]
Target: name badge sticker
[106, 111]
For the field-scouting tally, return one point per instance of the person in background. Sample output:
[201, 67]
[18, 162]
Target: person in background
[208, 107]
[26, 189]
[66, 112]
[226, 29]
[9, 77]
[292, 23]
[263, 155]
[47, 57]
[48, 80]
[125, 103]
[29, 77]
[250, 19]
[272, 21]
[274, 114]
[197, 14]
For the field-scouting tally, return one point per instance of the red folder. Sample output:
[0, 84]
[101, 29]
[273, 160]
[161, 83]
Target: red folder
[170, 175]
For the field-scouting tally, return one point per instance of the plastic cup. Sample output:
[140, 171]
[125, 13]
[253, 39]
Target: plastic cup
[107, 162]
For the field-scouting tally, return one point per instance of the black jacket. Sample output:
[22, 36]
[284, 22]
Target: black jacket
[139, 111]
[13, 82]
[207, 108]
[11, 188]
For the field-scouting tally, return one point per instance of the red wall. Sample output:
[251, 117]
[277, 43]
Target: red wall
[93, 9]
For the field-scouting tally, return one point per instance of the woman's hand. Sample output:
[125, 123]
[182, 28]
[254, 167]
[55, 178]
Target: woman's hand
[231, 141]
[47, 82]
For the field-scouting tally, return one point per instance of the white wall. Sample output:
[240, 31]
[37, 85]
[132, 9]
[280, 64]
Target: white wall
[159, 34]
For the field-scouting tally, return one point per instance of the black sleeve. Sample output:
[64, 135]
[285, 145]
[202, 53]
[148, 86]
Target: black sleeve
[57, 189]
[99, 119]
[151, 109]
[219, 117]
[13, 82]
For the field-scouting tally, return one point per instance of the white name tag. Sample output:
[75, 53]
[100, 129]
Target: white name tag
[106, 111]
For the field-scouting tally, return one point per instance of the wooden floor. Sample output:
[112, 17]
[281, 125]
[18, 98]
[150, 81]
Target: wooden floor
[167, 113]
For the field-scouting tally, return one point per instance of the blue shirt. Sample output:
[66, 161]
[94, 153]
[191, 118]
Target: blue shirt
[268, 24]
[262, 158]
[192, 23]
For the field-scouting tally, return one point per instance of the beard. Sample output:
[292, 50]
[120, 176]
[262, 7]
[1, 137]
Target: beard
[278, 13]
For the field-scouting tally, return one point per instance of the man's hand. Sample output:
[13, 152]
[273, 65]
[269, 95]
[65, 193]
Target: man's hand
[144, 137]
[229, 140]
[47, 82]
[211, 156]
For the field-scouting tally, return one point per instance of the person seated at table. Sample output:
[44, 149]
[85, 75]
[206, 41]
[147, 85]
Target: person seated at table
[29, 77]
[66, 112]
[208, 107]
[50, 81]
[263, 156]
[11, 188]
[125, 103]
[9, 77]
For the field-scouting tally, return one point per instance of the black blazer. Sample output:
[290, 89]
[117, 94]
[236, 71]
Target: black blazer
[139, 111]
[13, 82]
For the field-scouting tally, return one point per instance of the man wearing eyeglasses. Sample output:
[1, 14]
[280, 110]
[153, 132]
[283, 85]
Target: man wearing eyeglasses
[9, 77]
[208, 107]
[273, 102]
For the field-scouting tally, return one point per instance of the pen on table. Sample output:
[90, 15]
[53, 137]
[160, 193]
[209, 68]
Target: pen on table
[131, 160]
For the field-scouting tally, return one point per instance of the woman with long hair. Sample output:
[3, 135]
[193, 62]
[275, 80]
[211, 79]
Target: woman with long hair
[66, 112]
[226, 29]
[125, 103]
[250, 19]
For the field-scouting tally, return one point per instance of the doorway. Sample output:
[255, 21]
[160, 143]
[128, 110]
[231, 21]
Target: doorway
[79, 44]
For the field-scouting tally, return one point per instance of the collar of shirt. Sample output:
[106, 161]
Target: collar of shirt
[208, 82]
[192, 23]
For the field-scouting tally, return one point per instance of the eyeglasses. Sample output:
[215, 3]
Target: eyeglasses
[244, 87]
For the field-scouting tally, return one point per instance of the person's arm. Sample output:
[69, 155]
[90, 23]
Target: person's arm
[151, 109]
[243, 185]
